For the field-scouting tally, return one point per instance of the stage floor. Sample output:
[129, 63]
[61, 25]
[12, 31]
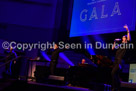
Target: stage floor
[17, 85]
[73, 88]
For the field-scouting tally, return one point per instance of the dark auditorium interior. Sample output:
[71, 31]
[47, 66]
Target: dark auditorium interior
[68, 45]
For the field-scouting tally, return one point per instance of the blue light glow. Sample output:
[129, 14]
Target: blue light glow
[63, 56]
[45, 56]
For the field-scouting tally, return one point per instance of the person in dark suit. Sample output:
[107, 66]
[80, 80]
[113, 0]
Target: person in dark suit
[11, 54]
[118, 60]
[54, 58]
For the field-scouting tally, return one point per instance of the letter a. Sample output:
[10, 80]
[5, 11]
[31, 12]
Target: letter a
[94, 14]
[116, 9]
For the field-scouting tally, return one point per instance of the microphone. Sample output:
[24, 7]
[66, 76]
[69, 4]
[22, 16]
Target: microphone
[117, 40]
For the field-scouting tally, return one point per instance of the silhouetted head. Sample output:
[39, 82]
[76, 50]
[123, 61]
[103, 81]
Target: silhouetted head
[11, 48]
[124, 39]
[83, 61]
[56, 46]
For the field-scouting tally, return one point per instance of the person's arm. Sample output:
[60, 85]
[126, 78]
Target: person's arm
[66, 48]
[128, 33]
[113, 47]
[15, 56]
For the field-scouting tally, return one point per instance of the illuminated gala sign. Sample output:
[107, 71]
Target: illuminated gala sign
[91, 17]
[84, 13]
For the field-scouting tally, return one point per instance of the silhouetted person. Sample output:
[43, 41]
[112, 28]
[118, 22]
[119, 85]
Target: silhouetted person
[11, 54]
[54, 58]
[118, 60]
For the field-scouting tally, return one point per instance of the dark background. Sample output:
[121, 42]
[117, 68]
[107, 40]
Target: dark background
[46, 20]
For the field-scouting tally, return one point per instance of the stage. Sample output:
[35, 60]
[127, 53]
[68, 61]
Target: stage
[32, 85]
[68, 45]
